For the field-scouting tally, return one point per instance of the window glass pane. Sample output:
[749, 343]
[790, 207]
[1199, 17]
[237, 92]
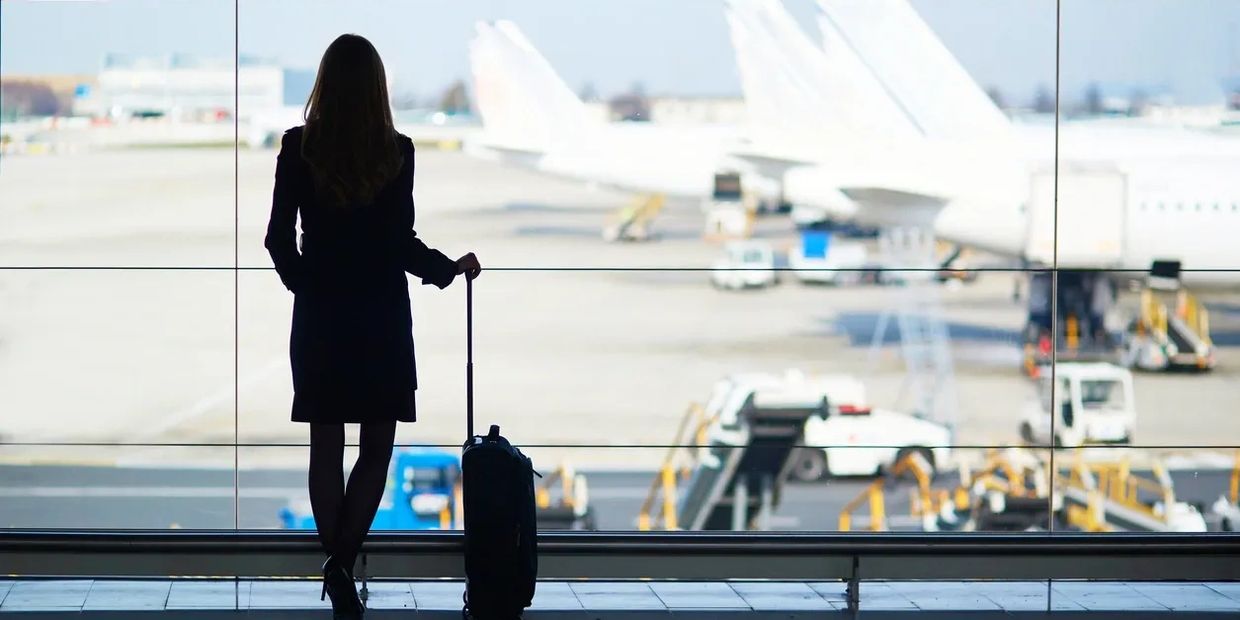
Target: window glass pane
[116, 356]
[1148, 270]
[118, 487]
[117, 140]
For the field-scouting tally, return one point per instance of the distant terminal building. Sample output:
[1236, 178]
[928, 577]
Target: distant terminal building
[671, 110]
[189, 88]
[697, 110]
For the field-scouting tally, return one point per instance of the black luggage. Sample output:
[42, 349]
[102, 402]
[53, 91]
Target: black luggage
[501, 554]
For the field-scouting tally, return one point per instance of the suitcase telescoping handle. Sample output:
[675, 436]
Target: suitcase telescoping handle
[469, 357]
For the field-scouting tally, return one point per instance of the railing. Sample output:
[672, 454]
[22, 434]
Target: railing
[682, 556]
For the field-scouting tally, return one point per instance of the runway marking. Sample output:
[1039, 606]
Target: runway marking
[207, 404]
[293, 493]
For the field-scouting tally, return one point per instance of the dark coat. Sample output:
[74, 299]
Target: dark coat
[352, 340]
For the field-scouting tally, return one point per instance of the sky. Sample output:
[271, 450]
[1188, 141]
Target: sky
[1186, 47]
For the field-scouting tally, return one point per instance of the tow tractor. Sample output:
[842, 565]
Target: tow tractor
[423, 492]
[1093, 403]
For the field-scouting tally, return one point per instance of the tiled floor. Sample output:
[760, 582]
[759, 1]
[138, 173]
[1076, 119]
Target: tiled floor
[593, 599]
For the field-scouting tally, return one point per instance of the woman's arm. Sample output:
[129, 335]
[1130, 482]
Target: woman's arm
[281, 241]
[429, 264]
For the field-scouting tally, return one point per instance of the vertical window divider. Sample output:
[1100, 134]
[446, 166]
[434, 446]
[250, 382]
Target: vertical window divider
[236, 264]
[1054, 471]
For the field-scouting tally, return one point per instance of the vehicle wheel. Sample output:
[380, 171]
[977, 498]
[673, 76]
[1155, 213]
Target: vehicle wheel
[925, 453]
[588, 522]
[1026, 433]
[810, 465]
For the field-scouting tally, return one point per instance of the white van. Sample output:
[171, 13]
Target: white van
[745, 264]
[1092, 403]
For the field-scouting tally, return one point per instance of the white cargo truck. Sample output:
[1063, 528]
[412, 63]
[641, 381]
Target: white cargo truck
[1090, 403]
[823, 259]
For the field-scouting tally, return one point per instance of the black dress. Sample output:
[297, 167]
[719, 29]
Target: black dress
[352, 340]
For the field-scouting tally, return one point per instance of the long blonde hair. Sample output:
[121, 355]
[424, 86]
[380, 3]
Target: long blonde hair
[350, 140]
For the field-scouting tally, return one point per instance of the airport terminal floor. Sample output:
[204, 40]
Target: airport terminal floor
[631, 600]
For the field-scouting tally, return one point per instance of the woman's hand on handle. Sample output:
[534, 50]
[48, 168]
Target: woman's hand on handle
[469, 266]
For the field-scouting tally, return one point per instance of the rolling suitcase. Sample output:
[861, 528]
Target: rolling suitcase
[501, 555]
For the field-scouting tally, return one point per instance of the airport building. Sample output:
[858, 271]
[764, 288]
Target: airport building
[189, 88]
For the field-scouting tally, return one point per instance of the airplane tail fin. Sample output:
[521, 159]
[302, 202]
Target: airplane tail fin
[777, 98]
[524, 103]
[910, 62]
[789, 82]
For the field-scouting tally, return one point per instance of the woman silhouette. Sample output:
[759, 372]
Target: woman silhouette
[350, 176]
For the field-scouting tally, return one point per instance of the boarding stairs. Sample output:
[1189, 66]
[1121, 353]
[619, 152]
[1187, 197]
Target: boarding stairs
[634, 221]
[917, 307]
[732, 476]
[1171, 330]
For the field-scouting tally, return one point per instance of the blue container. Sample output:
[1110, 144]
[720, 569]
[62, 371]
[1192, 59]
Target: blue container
[814, 243]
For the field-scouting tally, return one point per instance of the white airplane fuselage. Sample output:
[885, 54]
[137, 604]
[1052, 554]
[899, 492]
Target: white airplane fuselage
[1180, 196]
[641, 157]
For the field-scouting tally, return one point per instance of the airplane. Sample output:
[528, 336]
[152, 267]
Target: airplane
[882, 126]
[532, 118]
[902, 136]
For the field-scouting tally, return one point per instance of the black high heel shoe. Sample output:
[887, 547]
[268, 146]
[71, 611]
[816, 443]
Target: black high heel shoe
[338, 584]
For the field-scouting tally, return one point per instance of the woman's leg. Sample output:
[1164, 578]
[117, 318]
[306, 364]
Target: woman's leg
[327, 481]
[365, 489]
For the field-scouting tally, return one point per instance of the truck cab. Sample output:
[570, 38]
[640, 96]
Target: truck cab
[1089, 402]
[727, 214]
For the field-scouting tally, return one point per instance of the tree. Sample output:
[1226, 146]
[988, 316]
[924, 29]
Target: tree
[1044, 100]
[1138, 102]
[27, 98]
[588, 93]
[404, 100]
[1093, 99]
[455, 100]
